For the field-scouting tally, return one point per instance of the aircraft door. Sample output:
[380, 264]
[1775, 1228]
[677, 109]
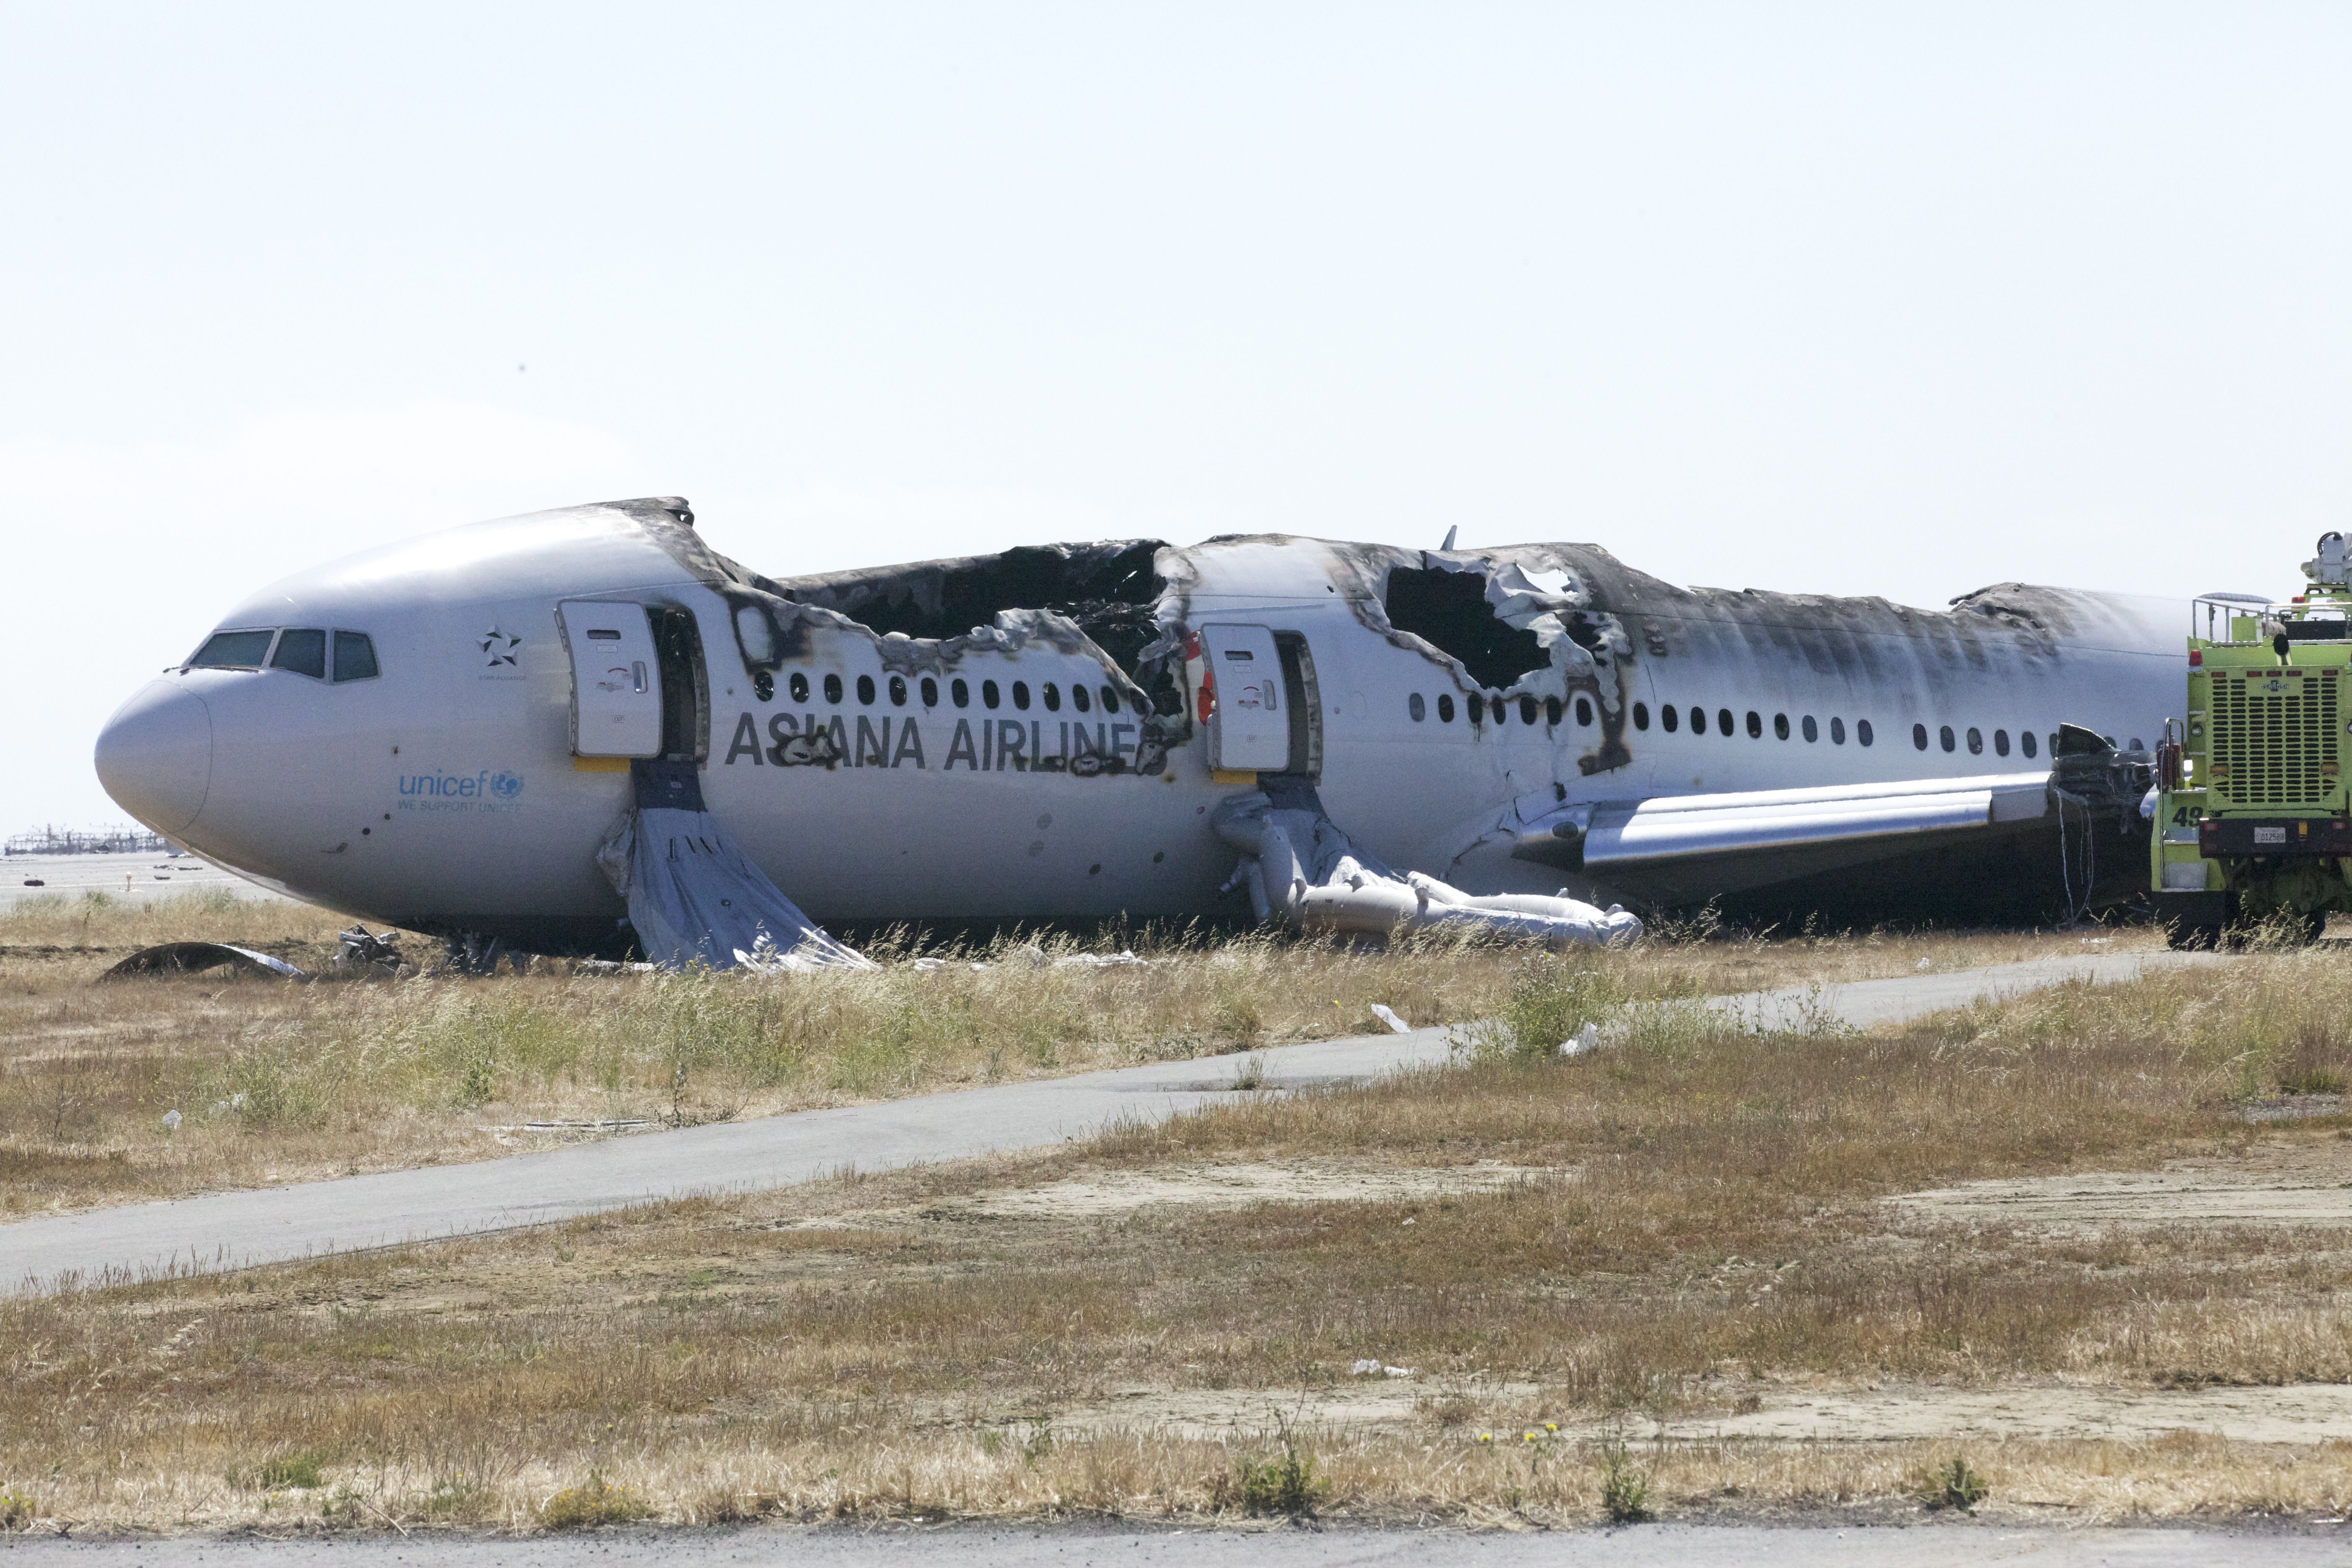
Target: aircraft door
[1266, 718]
[616, 685]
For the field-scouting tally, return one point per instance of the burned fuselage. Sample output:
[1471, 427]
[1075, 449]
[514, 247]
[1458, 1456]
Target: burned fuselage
[1044, 734]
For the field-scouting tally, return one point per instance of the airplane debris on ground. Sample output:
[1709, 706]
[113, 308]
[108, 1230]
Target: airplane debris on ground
[189, 957]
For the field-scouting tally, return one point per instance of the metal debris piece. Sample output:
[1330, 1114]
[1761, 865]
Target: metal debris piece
[362, 950]
[190, 957]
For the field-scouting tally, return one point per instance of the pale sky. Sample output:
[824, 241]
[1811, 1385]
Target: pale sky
[1868, 299]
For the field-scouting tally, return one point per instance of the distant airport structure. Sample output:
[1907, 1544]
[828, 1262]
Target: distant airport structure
[55, 840]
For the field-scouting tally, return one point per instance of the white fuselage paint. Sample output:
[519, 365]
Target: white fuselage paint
[447, 789]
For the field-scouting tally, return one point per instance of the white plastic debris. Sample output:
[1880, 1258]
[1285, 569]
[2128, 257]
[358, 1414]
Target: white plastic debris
[1372, 1367]
[1381, 1012]
[1301, 868]
[170, 1122]
[1588, 1038]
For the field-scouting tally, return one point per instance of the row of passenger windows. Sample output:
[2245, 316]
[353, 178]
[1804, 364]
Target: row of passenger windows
[1670, 718]
[1549, 707]
[1724, 722]
[304, 650]
[958, 692]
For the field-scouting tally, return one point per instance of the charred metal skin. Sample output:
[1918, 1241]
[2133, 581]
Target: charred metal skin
[1032, 735]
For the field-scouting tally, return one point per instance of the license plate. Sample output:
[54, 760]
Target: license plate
[2270, 835]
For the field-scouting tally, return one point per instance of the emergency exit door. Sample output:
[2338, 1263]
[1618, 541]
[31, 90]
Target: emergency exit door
[616, 685]
[1267, 716]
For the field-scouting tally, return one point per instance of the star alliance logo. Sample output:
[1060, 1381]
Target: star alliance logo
[498, 648]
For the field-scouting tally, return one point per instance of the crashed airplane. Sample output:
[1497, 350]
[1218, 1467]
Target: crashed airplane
[584, 730]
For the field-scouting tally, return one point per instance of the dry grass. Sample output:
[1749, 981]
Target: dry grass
[1710, 1233]
[276, 1083]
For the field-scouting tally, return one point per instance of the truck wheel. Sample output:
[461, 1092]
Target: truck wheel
[2183, 938]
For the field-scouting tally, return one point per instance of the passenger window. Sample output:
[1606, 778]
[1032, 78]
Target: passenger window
[763, 685]
[1641, 715]
[988, 696]
[1526, 711]
[1723, 719]
[233, 650]
[799, 686]
[1672, 715]
[1976, 741]
[1475, 706]
[2134, 745]
[2000, 742]
[1416, 707]
[355, 657]
[833, 689]
[1584, 714]
[2025, 742]
[1110, 700]
[1053, 697]
[1698, 720]
[1551, 710]
[931, 692]
[1812, 731]
[1862, 730]
[1755, 725]
[1020, 695]
[1919, 736]
[960, 692]
[303, 650]
[898, 691]
[1944, 734]
[1078, 698]
[1837, 731]
[1444, 709]
[865, 690]
[1780, 726]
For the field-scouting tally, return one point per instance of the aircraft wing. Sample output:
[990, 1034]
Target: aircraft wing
[1690, 847]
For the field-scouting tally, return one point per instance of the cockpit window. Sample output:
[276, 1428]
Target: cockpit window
[303, 650]
[354, 657]
[233, 650]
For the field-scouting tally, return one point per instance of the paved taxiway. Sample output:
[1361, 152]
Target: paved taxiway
[138, 877]
[229, 1230]
[1086, 1545]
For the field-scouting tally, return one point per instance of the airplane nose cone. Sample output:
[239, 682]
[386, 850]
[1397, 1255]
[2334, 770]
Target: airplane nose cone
[155, 756]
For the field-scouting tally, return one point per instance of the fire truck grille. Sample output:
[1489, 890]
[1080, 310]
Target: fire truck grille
[2274, 737]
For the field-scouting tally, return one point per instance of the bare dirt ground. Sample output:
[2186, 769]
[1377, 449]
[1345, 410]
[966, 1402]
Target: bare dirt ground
[2261, 1184]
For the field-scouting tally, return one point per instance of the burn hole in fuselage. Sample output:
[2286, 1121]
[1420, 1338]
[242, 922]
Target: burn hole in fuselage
[1110, 590]
[1449, 610]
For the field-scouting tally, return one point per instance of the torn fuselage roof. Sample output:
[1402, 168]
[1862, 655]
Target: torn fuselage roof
[1109, 588]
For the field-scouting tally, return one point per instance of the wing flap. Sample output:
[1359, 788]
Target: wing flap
[1684, 828]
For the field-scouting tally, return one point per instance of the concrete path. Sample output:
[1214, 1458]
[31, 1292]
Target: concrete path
[231, 1230]
[1078, 1545]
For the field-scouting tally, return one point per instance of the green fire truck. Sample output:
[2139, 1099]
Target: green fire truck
[2251, 820]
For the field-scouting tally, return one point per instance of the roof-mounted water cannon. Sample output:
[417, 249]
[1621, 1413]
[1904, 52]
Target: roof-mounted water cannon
[2328, 568]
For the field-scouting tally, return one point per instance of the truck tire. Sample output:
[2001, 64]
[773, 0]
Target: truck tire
[2196, 921]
